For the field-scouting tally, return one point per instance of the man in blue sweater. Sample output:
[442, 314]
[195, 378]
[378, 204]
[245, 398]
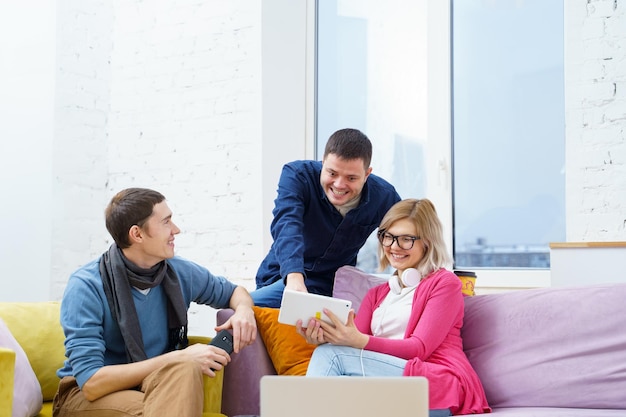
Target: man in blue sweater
[323, 214]
[125, 320]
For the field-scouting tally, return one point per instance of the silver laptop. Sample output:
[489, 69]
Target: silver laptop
[340, 396]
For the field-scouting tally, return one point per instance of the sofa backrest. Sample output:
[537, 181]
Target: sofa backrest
[552, 347]
[37, 328]
[351, 284]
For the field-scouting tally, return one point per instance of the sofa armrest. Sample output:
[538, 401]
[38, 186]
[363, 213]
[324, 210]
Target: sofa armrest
[212, 386]
[7, 376]
[242, 376]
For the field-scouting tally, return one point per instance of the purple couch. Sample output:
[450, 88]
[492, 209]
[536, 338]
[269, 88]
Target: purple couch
[554, 352]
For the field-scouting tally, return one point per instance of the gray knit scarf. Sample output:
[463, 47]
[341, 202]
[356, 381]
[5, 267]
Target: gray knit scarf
[118, 275]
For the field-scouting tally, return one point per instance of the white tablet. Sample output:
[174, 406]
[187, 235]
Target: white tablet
[298, 305]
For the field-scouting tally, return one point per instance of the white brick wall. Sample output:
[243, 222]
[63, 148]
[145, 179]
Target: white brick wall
[82, 102]
[164, 95]
[595, 89]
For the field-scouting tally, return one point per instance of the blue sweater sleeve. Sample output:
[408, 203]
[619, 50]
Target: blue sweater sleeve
[200, 285]
[84, 317]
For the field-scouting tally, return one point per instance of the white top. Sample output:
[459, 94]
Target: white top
[390, 319]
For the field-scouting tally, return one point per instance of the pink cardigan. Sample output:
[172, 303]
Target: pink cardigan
[432, 342]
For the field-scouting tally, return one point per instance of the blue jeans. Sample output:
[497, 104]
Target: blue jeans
[331, 360]
[270, 295]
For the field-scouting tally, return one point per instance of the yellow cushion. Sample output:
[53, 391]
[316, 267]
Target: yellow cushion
[37, 329]
[46, 411]
[7, 367]
[290, 353]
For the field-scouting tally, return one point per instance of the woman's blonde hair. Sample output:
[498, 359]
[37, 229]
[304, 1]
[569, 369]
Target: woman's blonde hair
[424, 216]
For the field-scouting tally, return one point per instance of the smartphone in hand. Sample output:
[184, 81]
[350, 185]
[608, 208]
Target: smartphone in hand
[224, 340]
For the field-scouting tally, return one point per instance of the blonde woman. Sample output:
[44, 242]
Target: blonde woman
[409, 326]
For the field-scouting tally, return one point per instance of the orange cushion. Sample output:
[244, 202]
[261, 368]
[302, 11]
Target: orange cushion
[290, 353]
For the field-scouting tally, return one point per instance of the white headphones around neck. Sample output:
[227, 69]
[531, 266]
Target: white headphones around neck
[410, 278]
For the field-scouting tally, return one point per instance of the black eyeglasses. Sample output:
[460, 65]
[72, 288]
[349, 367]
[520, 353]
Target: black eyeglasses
[405, 242]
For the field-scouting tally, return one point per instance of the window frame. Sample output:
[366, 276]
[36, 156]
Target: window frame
[290, 25]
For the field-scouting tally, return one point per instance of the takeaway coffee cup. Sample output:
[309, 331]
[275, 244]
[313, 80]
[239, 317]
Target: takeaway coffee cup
[468, 281]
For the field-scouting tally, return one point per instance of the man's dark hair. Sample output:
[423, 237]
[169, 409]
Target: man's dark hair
[350, 144]
[129, 207]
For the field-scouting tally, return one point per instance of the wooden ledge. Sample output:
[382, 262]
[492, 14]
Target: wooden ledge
[566, 245]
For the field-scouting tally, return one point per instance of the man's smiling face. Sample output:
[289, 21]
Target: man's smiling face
[157, 237]
[343, 180]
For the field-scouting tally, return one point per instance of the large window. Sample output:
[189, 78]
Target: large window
[508, 132]
[496, 175]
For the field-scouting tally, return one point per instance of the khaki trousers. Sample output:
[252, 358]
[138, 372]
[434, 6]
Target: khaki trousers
[176, 389]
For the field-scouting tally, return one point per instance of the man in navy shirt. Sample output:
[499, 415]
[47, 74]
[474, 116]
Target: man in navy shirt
[323, 214]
